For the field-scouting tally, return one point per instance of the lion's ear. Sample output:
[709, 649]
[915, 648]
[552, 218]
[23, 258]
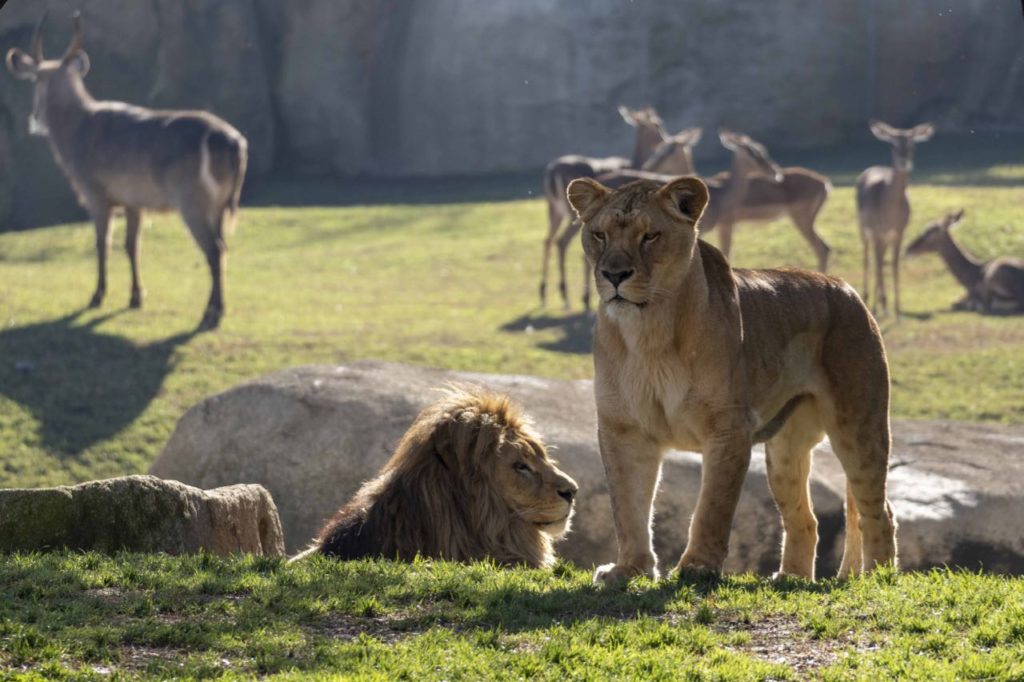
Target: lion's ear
[586, 196]
[687, 195]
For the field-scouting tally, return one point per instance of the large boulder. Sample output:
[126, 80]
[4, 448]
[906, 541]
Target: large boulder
[141, 514]
[312, 435]
[958, 492]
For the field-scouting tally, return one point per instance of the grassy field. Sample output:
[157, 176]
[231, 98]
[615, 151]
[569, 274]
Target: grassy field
[446, 274]
[93, 617]
[87, 394]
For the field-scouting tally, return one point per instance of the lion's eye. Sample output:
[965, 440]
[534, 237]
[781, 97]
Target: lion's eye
[599, 237]
[650, 237]
[522, 468]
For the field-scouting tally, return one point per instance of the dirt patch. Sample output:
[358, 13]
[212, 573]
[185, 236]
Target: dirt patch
[781, 639]
[390, 629]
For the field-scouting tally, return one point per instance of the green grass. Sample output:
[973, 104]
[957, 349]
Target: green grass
[74, 615]
[450, 285]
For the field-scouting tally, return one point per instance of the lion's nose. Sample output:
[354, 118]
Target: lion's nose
[567, 494]
[617, 278]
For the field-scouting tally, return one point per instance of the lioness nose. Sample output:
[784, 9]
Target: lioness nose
[567, 494]
[617, 278]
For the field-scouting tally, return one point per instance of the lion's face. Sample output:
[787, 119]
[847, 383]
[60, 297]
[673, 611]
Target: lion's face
[532, 486]
[638, 239]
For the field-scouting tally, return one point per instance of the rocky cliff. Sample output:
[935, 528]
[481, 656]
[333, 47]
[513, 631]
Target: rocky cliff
[437, 87]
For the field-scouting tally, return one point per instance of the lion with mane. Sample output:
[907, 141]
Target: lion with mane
[469, 480]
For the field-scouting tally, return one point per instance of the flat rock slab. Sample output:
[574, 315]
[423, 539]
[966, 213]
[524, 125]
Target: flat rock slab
[141, 514]
[312, 435]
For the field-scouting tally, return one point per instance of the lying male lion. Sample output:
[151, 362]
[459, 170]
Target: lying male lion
[469, 480]
[691, 354]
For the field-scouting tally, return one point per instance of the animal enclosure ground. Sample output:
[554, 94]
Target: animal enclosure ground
[94, 393]
[92, 617]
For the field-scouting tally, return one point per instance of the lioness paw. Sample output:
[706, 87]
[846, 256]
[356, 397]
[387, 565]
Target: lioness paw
[610, 575]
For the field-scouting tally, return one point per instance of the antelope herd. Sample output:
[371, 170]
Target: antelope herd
[756, 189]
[120, 157]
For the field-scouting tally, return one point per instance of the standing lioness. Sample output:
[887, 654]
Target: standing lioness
[691, 354]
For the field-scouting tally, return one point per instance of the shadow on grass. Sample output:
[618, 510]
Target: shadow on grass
[577, 330]
[82, 386]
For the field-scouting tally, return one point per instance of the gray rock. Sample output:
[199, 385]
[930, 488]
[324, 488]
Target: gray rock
[957, 492]
[312, 435]
[141, 514]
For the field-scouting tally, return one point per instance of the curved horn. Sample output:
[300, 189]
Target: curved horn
[37, 38]
[76, 35]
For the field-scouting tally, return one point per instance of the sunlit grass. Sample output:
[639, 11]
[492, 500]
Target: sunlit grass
[88, 394]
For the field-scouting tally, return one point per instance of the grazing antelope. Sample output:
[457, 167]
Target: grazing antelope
[116, 155]
[991, 285]
[800, 194]
[883, 210]
[673, 156]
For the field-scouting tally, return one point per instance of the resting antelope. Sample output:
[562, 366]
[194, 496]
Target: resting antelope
[118, 155]
[883, 210]
[991, 285]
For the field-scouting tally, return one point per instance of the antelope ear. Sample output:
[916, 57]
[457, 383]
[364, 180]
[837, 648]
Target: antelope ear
[922, 133]
[687, 195]
[955, 218]
[882, 131]
[79, 61]
[727, 138]
[586, 196]
[627, 115]
[694, 135]
[21, 64]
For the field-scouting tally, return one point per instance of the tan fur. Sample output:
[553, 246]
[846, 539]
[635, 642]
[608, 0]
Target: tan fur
[469, 480]
[691, 354]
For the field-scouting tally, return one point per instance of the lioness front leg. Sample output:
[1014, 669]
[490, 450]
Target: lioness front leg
[725, 465]
[632, 464]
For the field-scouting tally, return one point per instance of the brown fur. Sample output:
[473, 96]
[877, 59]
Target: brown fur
[469, 480]
[691, 354]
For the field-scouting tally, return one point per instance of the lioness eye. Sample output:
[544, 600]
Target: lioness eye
[599, 236]
[650, 237]
[522, 468]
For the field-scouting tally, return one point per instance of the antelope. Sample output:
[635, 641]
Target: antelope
[116, 155]
[883, 210]
[673, 155]
[800, 194]
[988, 283]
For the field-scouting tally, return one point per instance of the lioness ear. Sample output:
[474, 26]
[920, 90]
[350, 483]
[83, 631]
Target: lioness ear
[688, 195]
[586, 196]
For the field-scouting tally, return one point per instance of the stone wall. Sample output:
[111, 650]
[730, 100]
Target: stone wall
[438, 87]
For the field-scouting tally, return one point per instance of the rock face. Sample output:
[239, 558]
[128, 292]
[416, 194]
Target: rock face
[141, 514]
[312, 435]
[441, 87]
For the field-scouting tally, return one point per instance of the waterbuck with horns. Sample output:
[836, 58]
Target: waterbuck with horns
[116, 155]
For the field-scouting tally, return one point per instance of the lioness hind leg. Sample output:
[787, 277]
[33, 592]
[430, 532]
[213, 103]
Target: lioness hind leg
[862, 445]
[853, 548]
[789, 468]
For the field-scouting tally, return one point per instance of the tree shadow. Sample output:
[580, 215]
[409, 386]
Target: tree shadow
[577, 330]
[82, 386]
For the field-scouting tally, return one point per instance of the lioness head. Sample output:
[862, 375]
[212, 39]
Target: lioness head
[489, 441]
[639, 239]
